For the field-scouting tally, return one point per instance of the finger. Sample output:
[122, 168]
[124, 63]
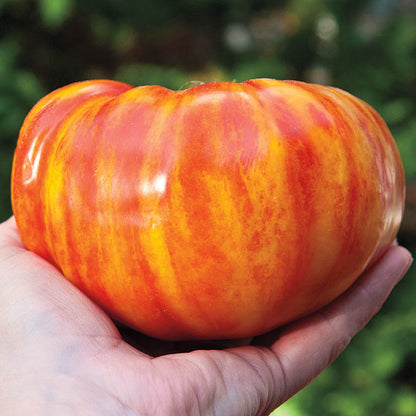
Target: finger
[307, 347]
[37, 299]
[9, 235]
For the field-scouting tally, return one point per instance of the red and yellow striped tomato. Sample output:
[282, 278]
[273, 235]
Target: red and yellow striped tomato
[220, 211]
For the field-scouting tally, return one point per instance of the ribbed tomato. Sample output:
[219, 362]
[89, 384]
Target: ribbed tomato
[220, 211]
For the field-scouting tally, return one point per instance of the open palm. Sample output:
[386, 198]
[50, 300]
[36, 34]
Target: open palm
[61, 355]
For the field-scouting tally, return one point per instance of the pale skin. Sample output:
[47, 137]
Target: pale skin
[61, 355]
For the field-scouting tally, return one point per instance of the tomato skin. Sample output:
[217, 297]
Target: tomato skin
[221, 211]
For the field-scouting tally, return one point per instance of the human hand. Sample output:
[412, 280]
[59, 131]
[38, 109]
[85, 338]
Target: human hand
[61, 355]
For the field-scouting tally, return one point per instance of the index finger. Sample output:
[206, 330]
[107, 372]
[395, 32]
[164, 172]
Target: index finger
[9, 235]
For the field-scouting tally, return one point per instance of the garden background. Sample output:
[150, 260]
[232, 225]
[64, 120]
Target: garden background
[365, 47]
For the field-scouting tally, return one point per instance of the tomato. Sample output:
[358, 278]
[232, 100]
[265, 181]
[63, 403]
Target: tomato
[221, 211]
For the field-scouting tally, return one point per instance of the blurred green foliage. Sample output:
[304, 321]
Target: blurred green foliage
[367, 47]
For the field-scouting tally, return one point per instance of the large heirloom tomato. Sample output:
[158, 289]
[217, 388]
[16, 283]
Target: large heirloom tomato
[220, 211]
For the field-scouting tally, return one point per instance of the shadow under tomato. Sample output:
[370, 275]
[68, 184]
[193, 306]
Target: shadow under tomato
[156, 347]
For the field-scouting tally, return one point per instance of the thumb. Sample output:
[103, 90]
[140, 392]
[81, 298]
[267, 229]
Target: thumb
[308, 346]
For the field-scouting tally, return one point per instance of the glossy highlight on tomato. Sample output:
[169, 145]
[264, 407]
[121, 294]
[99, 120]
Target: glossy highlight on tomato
[220, 211]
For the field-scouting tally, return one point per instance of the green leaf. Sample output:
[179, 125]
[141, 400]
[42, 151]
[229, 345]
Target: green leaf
[54, 12]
